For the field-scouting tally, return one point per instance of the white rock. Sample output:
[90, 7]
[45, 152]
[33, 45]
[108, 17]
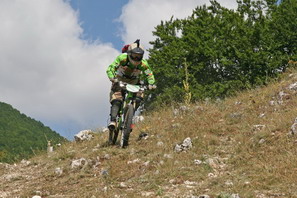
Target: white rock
[176, 125]
[25, 162]
[79, 163]
[197, 162]
[3, 194]
[186, 145]
[229, 183]
[272, 102]
[161, 162]
[105, 189]
[12, 176]
[175, 112]
[282, 94]
[247, 183]
[172, 181]
[258, 127]
[178, 148]
[50, 149]
[147, 194]
[146, 163]
[293, 129]
[133, 161]
[58, 171]
[123, 185]
[212, 175]
[184, 108]
[137, 119]
[168, 156]
[160, 144]
[190, 183]
[261, 141]
[213, 163]
[293, 86]
[107, 156]
[83, 135]
[38, 192]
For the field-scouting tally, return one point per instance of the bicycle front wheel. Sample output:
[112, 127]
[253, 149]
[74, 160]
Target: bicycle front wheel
[127, 126]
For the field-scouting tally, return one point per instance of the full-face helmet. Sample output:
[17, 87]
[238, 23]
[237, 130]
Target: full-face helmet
[135, 52]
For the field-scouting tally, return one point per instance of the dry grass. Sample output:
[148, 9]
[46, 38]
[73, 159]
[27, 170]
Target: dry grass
[237, 157]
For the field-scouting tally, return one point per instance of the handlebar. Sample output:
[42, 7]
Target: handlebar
[142, 85]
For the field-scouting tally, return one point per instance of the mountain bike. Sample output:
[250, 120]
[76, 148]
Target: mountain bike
[124, 121]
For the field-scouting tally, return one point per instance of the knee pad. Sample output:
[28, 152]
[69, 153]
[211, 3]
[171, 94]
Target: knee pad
[116, 102]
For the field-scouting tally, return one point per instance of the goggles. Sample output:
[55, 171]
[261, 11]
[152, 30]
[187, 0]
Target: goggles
[136, 57]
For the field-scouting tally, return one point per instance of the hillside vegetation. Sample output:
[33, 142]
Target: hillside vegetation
[217, 51]
[22, 136]
[241, 147]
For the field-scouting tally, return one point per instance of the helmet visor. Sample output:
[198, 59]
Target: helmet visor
[136, 57]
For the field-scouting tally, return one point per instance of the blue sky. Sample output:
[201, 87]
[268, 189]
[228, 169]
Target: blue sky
[54, 54]
[97, 14]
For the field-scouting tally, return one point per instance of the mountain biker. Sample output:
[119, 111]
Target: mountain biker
[128, 67]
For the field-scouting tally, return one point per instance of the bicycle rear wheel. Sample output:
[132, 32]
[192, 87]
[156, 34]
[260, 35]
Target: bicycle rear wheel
[127, 126]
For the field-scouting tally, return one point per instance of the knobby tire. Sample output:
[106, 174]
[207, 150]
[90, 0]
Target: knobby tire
[127, 126]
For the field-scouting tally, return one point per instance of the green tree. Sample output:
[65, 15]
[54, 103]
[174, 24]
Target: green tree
[168, 58]
[226, 50]
[283, 28]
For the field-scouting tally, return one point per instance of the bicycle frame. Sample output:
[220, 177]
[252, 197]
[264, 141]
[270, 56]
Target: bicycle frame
[129, 98]
[126, 113]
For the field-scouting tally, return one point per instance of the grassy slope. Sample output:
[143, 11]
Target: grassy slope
[237, 158]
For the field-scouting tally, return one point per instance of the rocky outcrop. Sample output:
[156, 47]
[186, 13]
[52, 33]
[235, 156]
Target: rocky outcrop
[84, 135]
[184, 146]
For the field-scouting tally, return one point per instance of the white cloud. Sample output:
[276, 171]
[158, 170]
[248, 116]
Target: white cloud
[140, 17]
[46, 70]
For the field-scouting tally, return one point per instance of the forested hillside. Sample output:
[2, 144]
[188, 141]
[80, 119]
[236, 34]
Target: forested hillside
[22, 136]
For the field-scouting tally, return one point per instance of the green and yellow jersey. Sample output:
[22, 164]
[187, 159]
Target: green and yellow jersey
[122, 68]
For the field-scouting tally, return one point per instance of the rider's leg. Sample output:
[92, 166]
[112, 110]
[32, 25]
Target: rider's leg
[116, 101]
[114, 110]
[139, 99]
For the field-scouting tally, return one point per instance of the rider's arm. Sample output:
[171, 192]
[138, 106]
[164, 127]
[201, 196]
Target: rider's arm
[112, 68]
[148, 72]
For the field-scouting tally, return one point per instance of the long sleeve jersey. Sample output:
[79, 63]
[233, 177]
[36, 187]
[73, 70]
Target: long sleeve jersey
[121, 67]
